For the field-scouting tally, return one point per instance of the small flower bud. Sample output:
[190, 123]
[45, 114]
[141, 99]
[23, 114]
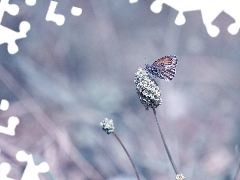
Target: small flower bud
[107, 125]
[180, 177]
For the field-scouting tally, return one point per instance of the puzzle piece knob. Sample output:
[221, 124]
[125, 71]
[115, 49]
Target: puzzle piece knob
[156, 6]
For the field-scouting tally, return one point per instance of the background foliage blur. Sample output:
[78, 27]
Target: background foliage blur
[66, 79]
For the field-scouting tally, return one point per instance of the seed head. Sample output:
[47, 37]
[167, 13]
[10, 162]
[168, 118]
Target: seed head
[147, 89]
[107, 125]
[180, 177]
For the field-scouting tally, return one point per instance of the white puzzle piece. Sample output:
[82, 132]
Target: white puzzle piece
[8, 35]
[4, 105]
[31, 171]
[59, 19]
[4, 170]
[30, 2]
[76, 11]
[12, 123]
[209, 10]
[133, 1]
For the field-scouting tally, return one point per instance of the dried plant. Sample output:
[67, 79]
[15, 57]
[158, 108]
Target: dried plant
[149, 95]
[238, 168]
[108, 127]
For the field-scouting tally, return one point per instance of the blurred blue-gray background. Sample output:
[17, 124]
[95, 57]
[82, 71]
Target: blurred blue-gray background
[66, 79]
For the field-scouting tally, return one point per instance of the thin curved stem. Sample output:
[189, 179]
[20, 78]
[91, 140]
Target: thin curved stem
[134, 168]
[237, 172]
[164, 142]
[46, 122]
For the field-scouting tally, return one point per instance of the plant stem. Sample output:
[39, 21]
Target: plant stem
[135, 170]
[164, 142]
[236, 175]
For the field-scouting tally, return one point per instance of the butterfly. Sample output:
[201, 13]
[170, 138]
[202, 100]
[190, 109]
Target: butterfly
[164, 68]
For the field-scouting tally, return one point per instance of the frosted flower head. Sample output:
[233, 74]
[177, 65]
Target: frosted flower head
[180, 177]
[107, 125]
[147, 89]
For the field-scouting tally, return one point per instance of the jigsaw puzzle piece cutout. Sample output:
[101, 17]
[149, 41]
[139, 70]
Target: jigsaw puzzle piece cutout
[12, 9]
[9, 36]
[31, 171]
[76, 11]
[209, 10]
[30, 2]
[59, 19]
[232, 8]
[156, 6]
[133, 1]
[234, 28]
[4, 170]
[4, 105]
[12, 124]
[180, 6]
[180, 19]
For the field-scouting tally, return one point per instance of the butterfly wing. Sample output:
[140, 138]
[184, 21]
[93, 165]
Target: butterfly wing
[167, 62]
[164, 68]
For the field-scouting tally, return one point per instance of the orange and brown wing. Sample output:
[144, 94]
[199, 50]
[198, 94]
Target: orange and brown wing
[166, 61]
[164, 68]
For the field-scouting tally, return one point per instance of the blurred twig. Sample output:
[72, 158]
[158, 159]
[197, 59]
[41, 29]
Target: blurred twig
[46, 122]
[238, 169]
[164, 142]
[129, 157]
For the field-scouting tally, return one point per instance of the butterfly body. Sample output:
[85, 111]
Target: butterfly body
[164, 68]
